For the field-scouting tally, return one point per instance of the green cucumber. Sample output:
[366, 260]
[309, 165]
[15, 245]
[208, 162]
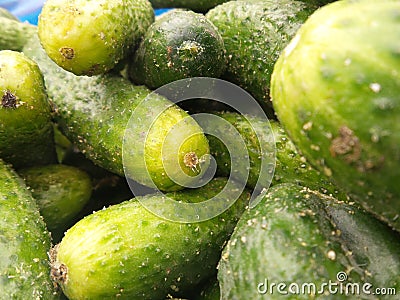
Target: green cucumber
[195, 5]
[94, 113]
[60, 191]
[299, 238]
[26, 130]
[180, 44]
[24, 242]
[90, 37]
[7, 14]
[290, 165]
[254, 34]
[14, 33]
[335, 90]
[127, 252]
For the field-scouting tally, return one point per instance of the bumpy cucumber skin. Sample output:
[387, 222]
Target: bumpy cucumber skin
[290, 165]
[14, 33]
[24, 242]
[254, 35]
[60, 191]
[180, 44]
[94, 113]
[335, 90]
[125, 251]
[26, 130]
[7, 14]
[90, 37]
[296, 235]
[195, 5]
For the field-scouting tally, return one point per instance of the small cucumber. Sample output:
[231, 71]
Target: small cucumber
[24, 242]
[195, 5]
[180, 44]
[126, 252]
[89, 37]
[335, 89]
[26, 130]
[305, 244]
[94, 113]
[60, 191]
[254, 34]
[14, 33]
[290, 165]
[7, 14]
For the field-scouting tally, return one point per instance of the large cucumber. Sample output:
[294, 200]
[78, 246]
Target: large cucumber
[180, 44]
[298, 244]
[24, 242]
[336, 89]
[89, 37]
[254, 35]
[26, 130]
[95, 113]
[195, 5]
[128, 252]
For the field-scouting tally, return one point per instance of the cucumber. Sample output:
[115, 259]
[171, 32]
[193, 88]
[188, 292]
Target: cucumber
[335, 91]
[26, 130]
[7, 14]
[90, 37]
[299, 238]
[290, 165]
[14, 33]
[60, 191]
[180, 44]
[94, 113]
[24, 242]
[195, 5]
[125, 251]
[254, 35]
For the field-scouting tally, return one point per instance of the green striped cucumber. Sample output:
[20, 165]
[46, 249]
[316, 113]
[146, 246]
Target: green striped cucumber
[90, 37]
[195, 5]
[26, 130]
[60, 191]
[298, 243]
[94, 113]
[180, 44]
[335, 91]
[254, 35]
[24, 242]
[128, 252]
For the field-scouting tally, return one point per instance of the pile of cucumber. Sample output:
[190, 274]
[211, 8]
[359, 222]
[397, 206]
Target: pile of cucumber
[92, 156]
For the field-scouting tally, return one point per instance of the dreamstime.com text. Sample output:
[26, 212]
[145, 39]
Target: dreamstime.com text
[338, 287]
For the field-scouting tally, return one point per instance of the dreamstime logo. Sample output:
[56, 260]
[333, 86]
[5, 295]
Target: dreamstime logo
[145, 128]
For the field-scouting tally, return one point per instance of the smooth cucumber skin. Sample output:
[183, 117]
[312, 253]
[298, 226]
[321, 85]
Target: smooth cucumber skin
[24, 242]
[127, 252]
[195, 5]
[254, 35]
[335, 91]
[290, 165]
[94, 112]
[296, 235]
[60, 191]
[90, 37]
[26, 130]
[180, 44]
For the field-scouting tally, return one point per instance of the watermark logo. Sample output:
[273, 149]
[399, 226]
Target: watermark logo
[340, 286]
[140, 132]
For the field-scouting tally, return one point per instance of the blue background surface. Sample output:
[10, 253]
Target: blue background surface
[29, 10]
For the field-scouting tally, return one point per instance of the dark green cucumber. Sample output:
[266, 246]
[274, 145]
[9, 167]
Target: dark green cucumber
[14, 33]
[94, 113]
[336, 89]
[254, 34]
[304, 243]
[127, 252]
[90, 37]
[210, 291]
[290, 165]
[60, 191]
[180, 44]
[24, 242]
[26, 130]
[195, 5]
